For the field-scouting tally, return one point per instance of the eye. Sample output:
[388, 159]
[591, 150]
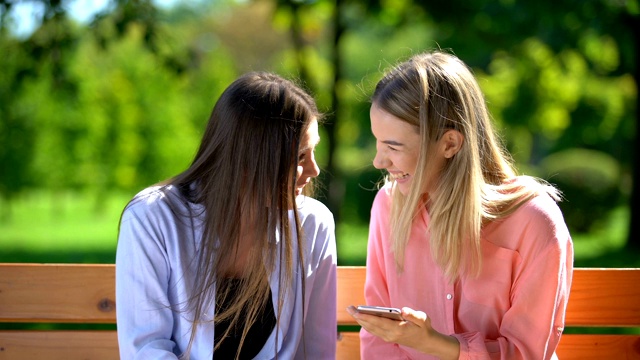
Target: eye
[302, 157]
[392, 148]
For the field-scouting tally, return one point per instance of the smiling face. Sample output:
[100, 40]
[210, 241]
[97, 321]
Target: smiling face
[398, 149]
[307, 167]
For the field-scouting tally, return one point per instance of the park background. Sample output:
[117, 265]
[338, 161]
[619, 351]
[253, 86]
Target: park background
[93, 111]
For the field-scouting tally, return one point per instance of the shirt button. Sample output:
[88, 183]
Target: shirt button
[449, 296]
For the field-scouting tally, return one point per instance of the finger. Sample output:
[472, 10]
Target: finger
[414, 316]
[381, 332]
[370, 323]
[364, 320]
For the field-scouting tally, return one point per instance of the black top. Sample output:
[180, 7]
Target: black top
[257, 335]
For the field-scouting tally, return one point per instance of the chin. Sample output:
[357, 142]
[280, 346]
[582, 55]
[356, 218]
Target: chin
[403, 188]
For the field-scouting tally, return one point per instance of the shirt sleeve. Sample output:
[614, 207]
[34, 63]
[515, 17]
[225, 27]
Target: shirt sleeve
[375, 288]
[532, 326]
[145, 320]
[320, 323]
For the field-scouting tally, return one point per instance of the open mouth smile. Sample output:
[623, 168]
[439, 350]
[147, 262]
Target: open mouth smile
[399, 176]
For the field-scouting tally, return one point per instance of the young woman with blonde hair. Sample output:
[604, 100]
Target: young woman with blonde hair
[229, 260]
[478, 258]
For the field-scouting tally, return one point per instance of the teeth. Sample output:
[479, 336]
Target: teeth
[399, 176]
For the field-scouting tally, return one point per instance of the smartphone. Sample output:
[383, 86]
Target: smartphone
[387, 312]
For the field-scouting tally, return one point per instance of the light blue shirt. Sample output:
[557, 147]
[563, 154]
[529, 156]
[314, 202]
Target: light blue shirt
[156, 255]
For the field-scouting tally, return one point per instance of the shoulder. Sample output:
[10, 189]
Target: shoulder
[312, 210]
[154, 201]
[540, 213]
[318, 227]
[541, 207]
[533, 227]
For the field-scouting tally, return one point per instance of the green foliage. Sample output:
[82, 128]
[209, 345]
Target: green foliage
[121, 103]
[135, 111]
[103, 110]
[575, 110]
[589, 181]
[16, 131]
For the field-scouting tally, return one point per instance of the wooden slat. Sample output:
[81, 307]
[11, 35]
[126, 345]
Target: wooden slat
[604, 297]
[599, 297]
[350, 291]
[571, 347]
[57, 293]
[86, 293]
[58, 345]
[348, 347]
[77, 292]
[68, 345]
[598, 347]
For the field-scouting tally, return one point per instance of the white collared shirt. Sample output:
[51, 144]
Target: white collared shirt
[157, 252]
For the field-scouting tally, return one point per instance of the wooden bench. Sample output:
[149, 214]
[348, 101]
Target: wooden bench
[84, 293]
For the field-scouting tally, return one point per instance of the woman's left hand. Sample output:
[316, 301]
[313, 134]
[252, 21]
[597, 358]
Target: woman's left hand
[414, 332]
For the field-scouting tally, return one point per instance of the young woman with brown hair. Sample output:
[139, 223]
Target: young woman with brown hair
[229, 259]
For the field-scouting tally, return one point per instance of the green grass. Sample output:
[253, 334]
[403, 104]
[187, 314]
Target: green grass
[66, 228]
[61, 228]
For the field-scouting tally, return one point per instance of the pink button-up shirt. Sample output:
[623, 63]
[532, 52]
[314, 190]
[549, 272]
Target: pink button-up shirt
[514, 310]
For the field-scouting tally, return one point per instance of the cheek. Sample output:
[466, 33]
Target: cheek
[406, 163]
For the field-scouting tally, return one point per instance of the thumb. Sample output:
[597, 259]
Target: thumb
[414, 316]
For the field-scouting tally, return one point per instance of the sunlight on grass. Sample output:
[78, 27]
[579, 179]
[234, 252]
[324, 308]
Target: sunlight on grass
[69, 222]
[42, 222]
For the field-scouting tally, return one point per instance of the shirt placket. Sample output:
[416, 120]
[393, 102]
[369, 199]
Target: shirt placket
[449, 294]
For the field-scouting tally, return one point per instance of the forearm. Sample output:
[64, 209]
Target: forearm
[442, 346]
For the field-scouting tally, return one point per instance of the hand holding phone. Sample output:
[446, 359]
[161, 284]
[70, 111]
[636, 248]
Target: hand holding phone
[386, 312]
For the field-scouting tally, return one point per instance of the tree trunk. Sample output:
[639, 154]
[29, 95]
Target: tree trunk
[298, 45]
[633, 242]
[333, 179]
[332, 190]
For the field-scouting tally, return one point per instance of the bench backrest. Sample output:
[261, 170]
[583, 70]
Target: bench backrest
[84, 293]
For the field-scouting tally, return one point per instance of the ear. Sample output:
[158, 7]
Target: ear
[450, 143]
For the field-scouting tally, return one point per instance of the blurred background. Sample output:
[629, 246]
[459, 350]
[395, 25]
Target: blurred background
[99, 99]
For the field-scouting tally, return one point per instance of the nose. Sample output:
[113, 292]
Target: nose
[380, 161]
[310, 168]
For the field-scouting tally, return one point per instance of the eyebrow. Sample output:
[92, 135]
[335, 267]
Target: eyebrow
[392, 142]
[312, 144]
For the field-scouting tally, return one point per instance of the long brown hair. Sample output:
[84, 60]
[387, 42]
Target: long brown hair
[437, 92]
[244, 176]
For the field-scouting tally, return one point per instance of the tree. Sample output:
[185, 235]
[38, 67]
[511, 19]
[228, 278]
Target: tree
[556, 74]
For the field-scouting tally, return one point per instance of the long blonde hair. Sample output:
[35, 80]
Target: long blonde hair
[437, 92]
